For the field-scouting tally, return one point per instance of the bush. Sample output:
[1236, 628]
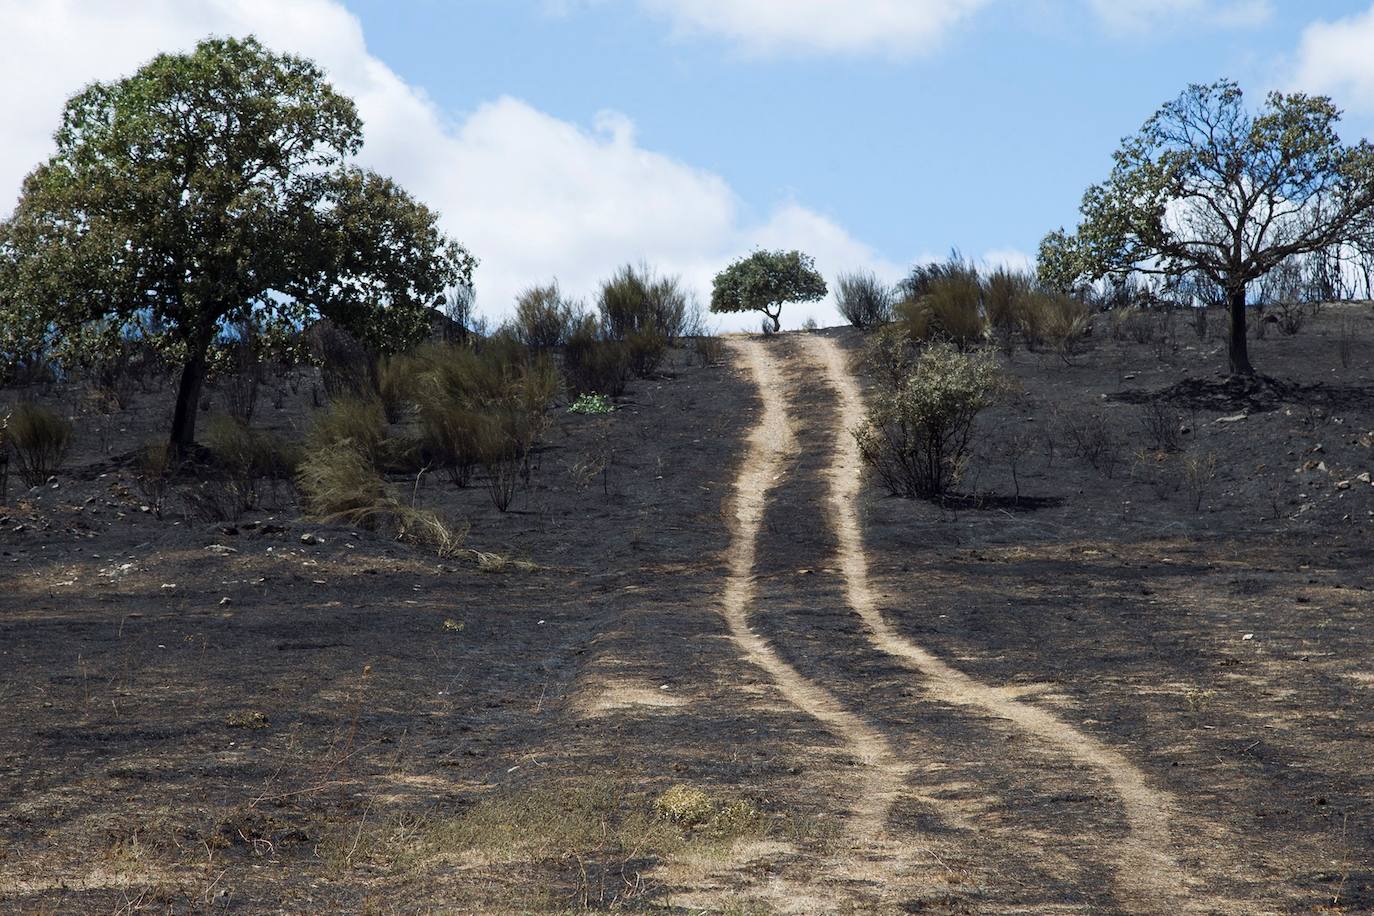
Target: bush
[864, 300]
[593, 364]
[342, 485]
[396, 383]
[890, 357]
[345, 365]
[476, 408]
[543, 318]
[918, 437]
[1056, 321]
[246, 456]
[635, 301]
[354, 420]
[950, 310]
[39, 439]
[153, 468]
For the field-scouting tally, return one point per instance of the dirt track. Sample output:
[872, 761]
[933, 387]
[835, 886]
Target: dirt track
[1148, 878]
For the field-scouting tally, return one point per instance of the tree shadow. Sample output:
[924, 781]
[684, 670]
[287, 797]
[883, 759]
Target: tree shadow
[1259, 394]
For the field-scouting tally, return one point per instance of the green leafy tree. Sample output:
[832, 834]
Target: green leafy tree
[210, 190]
[1211, 190]
[765, 281]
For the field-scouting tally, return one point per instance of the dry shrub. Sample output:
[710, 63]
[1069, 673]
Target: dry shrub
[475, 408]
[708, 349]
[890, 356]
[397, 379]
[39, 438]
[342, 485]
[544, 317]
[345, 364]
[1003, 294]
[951, 310]
[153, 469]
[917, 438]
[1056, 321]
[1092, 440]
[247, 456]
[1199, 472]
[593, 363]
[864, 300]
[638, 302]
[359, 421]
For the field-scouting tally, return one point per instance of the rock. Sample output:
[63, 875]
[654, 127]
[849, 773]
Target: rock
[1364, 478]
[1236, 419]
[311, 539]
[226, 601]
[1342, 485]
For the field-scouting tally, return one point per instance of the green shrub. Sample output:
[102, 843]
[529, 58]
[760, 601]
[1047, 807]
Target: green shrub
[358, 421]
[644, 352]
[592, 404]
[953, 307]
[889, 356]
[864, 300]
[917, 438]
[544, 318]
[39, 439]
[476, 409]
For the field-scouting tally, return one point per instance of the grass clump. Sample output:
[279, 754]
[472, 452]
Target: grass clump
[349, 419]
[917, 436]
[246, 456]
[645, 313]
[39, 438]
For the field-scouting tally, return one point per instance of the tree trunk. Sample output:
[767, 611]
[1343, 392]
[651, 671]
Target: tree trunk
[188, 398]
[1239, 348]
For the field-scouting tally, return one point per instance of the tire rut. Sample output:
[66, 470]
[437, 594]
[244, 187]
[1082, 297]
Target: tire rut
[769, 444]
[1148, 879]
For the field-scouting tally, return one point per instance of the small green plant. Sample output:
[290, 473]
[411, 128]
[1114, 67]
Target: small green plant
[39, 438]
[917, 438]
[684, 805]
[592, 404]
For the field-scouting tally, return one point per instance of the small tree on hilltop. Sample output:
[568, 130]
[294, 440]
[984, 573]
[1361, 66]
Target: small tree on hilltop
[765, 281]
[1206, 188]
[209, 190]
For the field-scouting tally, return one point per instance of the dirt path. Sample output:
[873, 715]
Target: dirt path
[769, 444]
[1148, 878]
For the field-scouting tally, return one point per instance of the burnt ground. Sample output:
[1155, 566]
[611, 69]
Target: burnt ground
[200, 714]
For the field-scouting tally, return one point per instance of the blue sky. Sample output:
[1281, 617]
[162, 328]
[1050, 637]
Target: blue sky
[562, 137]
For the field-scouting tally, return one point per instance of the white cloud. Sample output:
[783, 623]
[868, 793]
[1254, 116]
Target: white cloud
[1337, 58]
[767, 26]
[1149, 15]
[535, 197]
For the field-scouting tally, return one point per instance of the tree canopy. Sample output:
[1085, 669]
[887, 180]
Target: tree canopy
[1209, 189]
[765, 281]
[212, 189]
